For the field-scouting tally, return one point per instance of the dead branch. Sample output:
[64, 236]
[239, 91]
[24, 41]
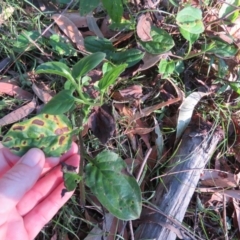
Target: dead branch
[174, 194]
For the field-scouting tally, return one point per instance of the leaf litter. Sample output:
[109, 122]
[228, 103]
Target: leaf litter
[141, 113]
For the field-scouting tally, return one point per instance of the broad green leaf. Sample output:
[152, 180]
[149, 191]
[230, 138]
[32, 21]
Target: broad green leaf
[114, 9]
[107, 66]
[24, 41]
[228, 7]
[161, 43]
[70, 176]
[51, 133]
[124, 25]
[87, 6]
[191, 37]
[60, 103]
[221, 48]
[190, 19]
[59, 45]
[166, 68]
[186, 110]
[111, 76]
[130, 57]
[114, 186]
[57, 68]
[94, 44]
[86, 64]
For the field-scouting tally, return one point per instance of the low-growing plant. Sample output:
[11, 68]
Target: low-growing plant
[106, 175]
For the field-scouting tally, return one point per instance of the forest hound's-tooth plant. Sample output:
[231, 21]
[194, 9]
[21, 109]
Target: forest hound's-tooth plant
[106, 175]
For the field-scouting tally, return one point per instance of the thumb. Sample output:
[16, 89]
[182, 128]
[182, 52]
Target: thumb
[20, 178]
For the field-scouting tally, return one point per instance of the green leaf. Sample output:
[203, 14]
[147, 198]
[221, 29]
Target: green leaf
[87, 6]
[124, 25]
[161, 43]
[23, 42]
[190, 19]
[111, 76]
[86, 64]
[57, 68]
[59, 45]
[221, 48]
[114, 186]
[235, 86]
[130, 57]
[70, 176]
[60, 103]
[51, 133]
[114, 9]
[228, 7]
[166, 68]
[191, 37]
[95, 44]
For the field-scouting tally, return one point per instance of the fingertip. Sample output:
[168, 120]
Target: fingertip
[53, 161]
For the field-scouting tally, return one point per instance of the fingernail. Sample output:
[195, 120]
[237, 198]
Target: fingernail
[32, 157]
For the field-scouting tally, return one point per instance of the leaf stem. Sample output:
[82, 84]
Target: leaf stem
[79, 90]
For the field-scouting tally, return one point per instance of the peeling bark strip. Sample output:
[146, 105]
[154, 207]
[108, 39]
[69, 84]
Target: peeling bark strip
[173, 196]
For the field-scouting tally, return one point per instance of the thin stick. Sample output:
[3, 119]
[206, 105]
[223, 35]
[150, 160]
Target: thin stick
[225, 218]
[143, 164]
[131, 230]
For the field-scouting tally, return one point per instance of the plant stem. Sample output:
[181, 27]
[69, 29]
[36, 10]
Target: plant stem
[81, 167]
[79, 90]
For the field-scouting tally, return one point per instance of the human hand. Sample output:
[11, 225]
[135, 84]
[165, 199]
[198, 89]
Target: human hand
[28, 198]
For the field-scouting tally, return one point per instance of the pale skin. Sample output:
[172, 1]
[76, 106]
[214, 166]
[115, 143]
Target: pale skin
[29, 198]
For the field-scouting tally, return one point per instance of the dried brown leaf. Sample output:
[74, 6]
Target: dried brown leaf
[18, 114]
[42, 95]
[144, 28]
[70, 30]
[102, 123]
[78, 21]
[132, 92]
[148, 110]
[13, 90]
[149, 60]
[236, 212]
[219, 179]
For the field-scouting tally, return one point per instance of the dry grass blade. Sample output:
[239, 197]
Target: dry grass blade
[18, 114]
[69, 28]
[92, 25]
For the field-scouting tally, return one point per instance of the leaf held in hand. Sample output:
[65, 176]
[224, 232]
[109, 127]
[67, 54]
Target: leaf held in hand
[114, 186]
[51, 133]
